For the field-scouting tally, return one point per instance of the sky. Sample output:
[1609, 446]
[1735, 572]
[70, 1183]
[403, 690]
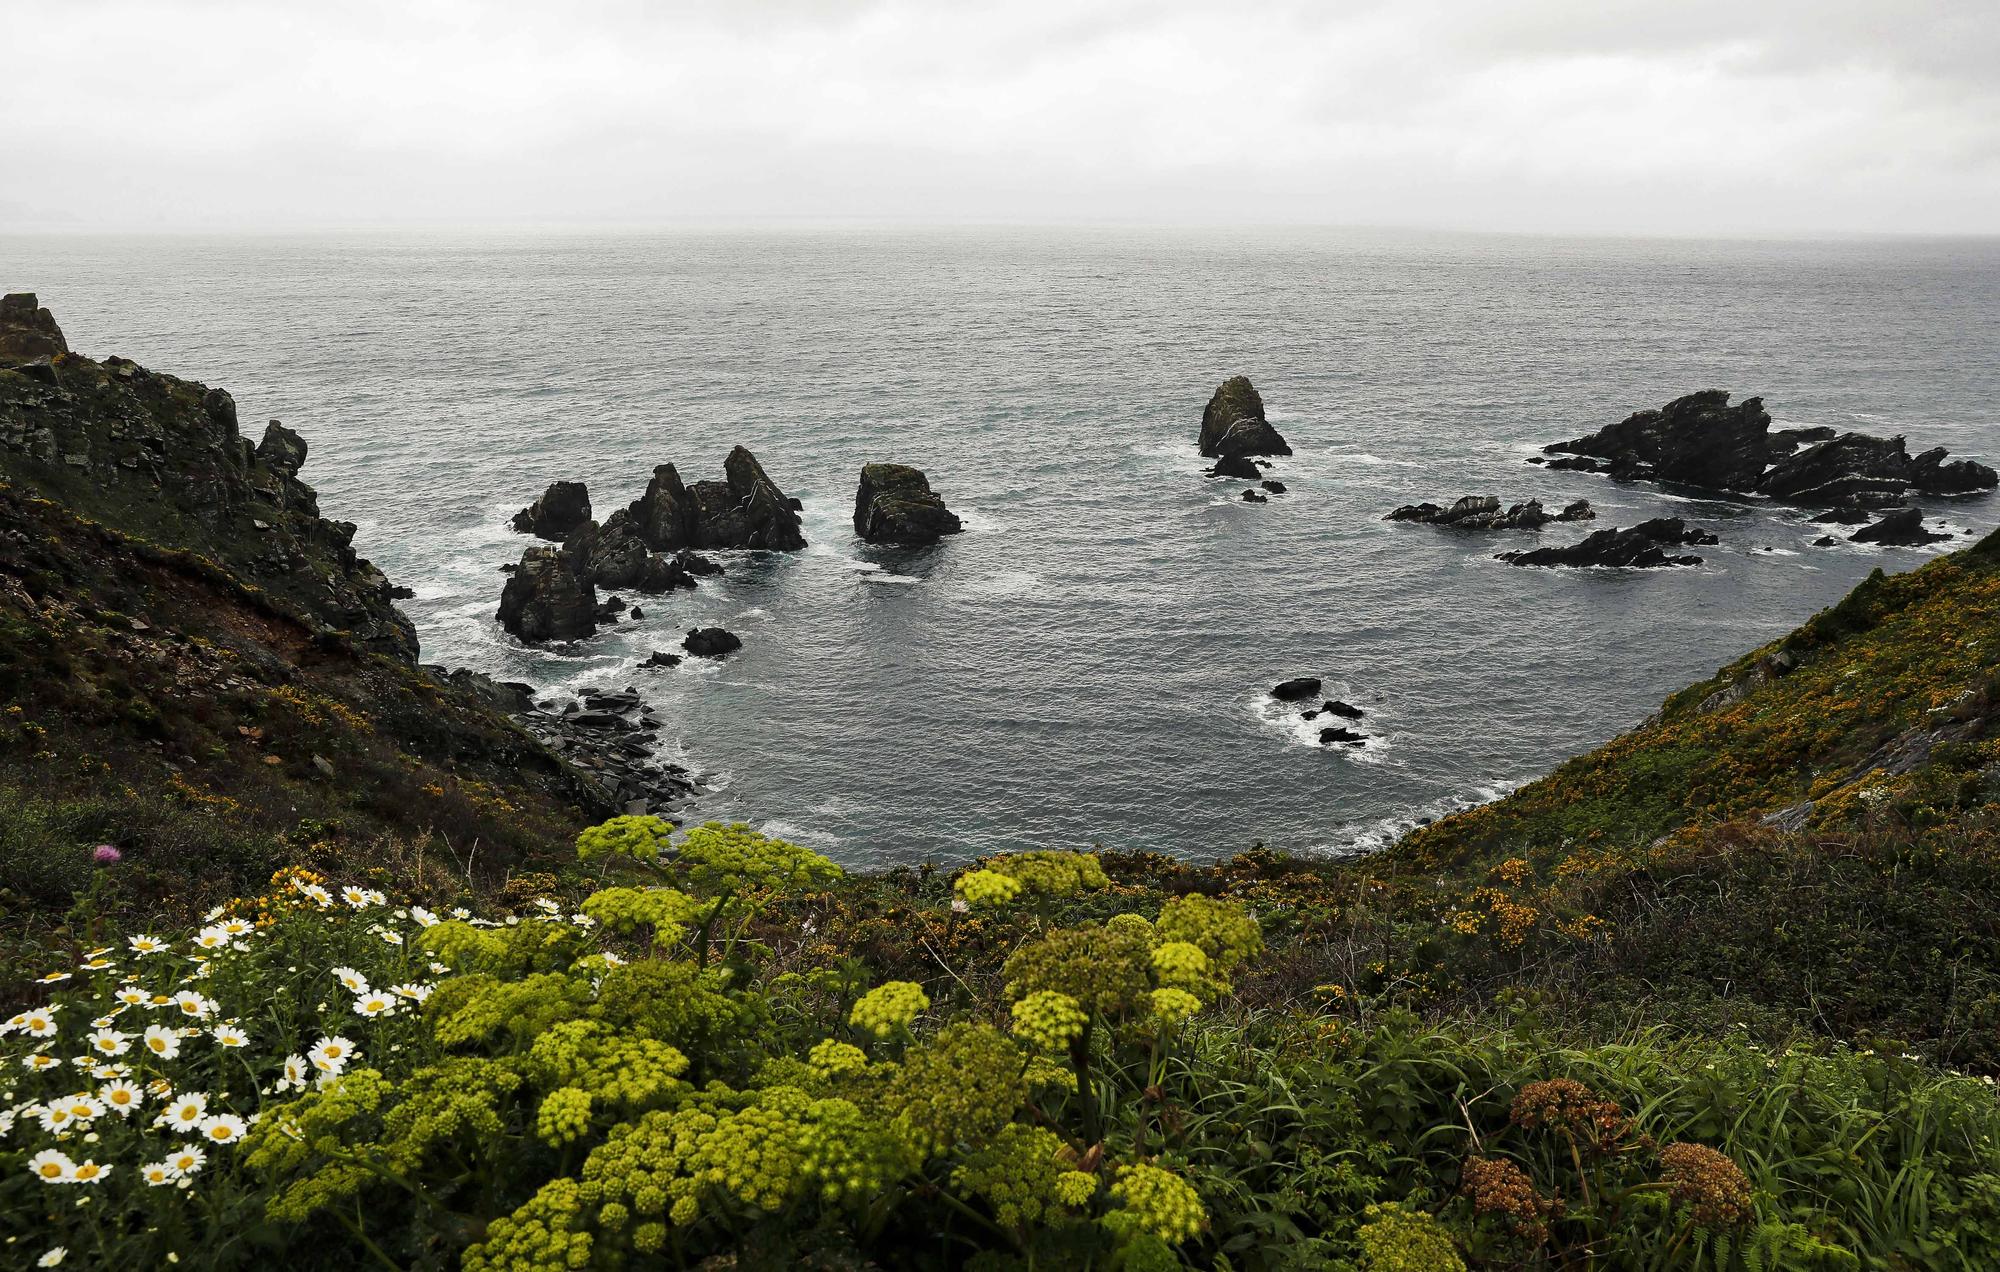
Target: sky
[1736, 117]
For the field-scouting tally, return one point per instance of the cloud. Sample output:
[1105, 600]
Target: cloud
[1609, 115]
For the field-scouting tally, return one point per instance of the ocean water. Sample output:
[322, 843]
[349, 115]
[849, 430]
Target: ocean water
[1087, 663]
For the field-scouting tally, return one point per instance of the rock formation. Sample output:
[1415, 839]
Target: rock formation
[1640, 547]
[613, 555]
[549, 597]
[27, 331]
[1899, 527]
[562, 510]
[1241, 466]
[894, 504]
[710, 642]
[1700, 440]
[106, 438]
[1233, 425]
[1342, 736]
[745, 511]
[1294, 689]
[1482, 512]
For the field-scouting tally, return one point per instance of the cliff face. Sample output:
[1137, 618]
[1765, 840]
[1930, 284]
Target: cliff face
[198, 664]
[164, 459]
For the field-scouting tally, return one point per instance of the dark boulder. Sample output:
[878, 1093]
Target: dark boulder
[27, 331]
[1787, 440]
[1275, 487]
[1699, 439]
[1848, 469]
[1239, 466]
[1255, 496]
[1345, 710]
[710, 642]
[1846, 515]
[1233, 424]
[561, 511]
[1640, 547]
[1348, 737]
[548, 598]
[1825, 541]
[894, 503]
[744, 511]
[1294, 689]
[1902, 527]
[661, 659]
[696, 564]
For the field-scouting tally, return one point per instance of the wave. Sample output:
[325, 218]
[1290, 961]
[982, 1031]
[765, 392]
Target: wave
[1361, 838]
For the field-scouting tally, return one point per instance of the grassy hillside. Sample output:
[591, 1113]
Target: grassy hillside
[1721, 994]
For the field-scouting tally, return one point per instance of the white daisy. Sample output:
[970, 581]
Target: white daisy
[162, 1041]
[109, 1042]
[40, 1022]
[146, 944]
[193, 1004]
[52, 978]
[231, 1036]
[55, 1117]
[187, 1161]
[83, 1106]
[222, 1128]
[50, 1167]
[184, 1113]
[411, 990]
[157, 1174]
[87, 1173]
[350, 980]
[355, 897]
[330, 1055]
[237, 927]
[133, 996]
[37, 1063]
[53, 1257]
[313, 892]
[296, 1069]
[121, 1097]
[374, 1004]
[393, 938]
[423, 917]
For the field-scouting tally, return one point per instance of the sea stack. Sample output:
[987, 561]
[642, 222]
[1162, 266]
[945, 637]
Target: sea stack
[563, 508]
[746, 510]
[894, 503]
[549, 596]
[1233, 426]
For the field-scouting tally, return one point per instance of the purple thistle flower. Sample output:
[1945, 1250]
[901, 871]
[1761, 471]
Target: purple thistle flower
[105, 854]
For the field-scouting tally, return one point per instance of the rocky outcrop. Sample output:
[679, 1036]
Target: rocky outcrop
[1641, 547]
[1900, 527]
[1240, 466]
[613, 555]
[1483, 512]
[27, 331]
[548, 597]
[1233, 425]
[1700, 440]
[139, 451]
[1338, 736]
[612, 737]
[1294, 689]
[894, 503]
[747, 510]
[710, 642]
[562, 510]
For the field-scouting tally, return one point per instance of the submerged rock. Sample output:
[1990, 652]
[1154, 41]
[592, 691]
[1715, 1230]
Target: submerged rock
[894, 503]
[1701, 440]
[1294, 689]
[562, 510]
[1239, 466]
[1640, 547]
[27, 331]
[548, 597]
[710, 642]
[1900, 527]
[1255, 496]
[1338, 735]
[1482, 512]
[1275, 487]
[1233, 425]
[660, 658]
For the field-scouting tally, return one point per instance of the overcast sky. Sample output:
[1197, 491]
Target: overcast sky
[1679, 116]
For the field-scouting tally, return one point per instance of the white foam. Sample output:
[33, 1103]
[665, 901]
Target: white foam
[1360, 838]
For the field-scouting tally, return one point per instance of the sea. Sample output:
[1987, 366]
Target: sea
[1089, 662]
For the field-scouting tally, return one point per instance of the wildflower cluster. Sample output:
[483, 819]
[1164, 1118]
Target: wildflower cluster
[889, 1008]
[640, 837]
[1157, 1202]
[1566, 1105]
[1708, 1182]
[1397, 1238]
[1048, 1019]
[1499, 1188]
